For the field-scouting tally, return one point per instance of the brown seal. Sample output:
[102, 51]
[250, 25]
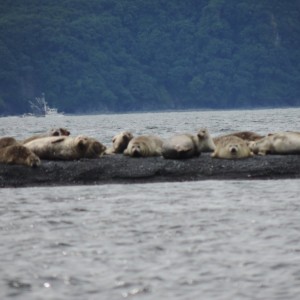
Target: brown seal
[51, 132]
[11, 152]
[244, 135]
[66, 147]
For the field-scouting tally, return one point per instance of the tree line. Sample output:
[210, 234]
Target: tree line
[136, 55]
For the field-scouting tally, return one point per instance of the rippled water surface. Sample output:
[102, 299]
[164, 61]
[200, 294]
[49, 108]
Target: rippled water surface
[188, 240]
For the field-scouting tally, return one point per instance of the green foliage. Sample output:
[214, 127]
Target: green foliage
[129, 55]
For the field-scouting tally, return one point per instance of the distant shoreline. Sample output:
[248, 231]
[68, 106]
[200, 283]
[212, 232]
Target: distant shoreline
[163, 111]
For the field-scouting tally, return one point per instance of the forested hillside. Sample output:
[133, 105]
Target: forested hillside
[129, 55]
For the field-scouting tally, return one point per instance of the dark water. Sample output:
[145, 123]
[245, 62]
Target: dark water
[188, 240]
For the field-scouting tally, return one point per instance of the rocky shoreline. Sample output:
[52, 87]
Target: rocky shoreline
[122, 169]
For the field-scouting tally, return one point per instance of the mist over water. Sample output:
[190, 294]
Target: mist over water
[189, 240]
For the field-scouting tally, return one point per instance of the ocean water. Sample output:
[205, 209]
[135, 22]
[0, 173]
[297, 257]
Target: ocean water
[189, 240]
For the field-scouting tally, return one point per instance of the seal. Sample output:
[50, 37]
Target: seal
[245, 135]
[11, 152]
[7, 141]
[51, 132]
[120, 142]
[232, 147]
[287, 142]
[183, 146]
[66, 147]
[144, 146]
[206, 142]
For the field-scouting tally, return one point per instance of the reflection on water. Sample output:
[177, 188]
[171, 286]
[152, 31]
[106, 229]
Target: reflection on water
[213, 239]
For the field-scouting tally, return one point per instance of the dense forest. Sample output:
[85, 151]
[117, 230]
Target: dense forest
[100, 56]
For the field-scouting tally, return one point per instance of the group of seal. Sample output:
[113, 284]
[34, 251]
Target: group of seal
[58, 144]
[51, 145]
[236, 145]
[176, 147]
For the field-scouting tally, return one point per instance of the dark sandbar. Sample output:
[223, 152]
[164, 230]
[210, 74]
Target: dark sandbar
[122, 169]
